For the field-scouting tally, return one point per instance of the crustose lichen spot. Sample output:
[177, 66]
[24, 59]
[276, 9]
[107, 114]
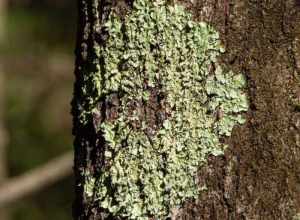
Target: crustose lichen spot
[172, 102]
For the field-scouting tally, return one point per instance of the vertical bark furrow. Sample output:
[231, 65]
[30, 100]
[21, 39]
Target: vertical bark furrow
[88, 145]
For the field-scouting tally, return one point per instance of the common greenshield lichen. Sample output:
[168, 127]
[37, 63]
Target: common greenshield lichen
[158, 57]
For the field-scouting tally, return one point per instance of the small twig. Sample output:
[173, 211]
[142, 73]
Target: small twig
[36, 179]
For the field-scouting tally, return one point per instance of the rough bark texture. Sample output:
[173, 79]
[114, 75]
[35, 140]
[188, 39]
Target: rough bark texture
[259, 175]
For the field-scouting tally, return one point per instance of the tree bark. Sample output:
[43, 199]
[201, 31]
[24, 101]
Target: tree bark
[258, 178]
[259, 175]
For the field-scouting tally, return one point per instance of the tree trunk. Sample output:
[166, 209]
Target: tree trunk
[258, 177]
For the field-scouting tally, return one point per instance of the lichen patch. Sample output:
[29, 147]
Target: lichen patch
[162, 102]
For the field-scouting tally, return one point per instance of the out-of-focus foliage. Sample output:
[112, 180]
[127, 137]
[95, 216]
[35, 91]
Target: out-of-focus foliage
[33, 29]
[37, 55]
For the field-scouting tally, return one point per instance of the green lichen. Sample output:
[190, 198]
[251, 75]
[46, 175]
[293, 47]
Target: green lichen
[158, 47]
[297, 217]
[89, 184]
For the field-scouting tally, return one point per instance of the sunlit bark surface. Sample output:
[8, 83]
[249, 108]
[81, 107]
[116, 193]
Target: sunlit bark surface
[259, 175]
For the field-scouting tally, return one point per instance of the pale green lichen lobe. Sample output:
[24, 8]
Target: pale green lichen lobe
[158, 47]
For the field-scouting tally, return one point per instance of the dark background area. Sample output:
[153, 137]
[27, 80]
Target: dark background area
[37, 60]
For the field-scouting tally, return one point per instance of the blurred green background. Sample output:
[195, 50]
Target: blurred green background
[37, 58]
